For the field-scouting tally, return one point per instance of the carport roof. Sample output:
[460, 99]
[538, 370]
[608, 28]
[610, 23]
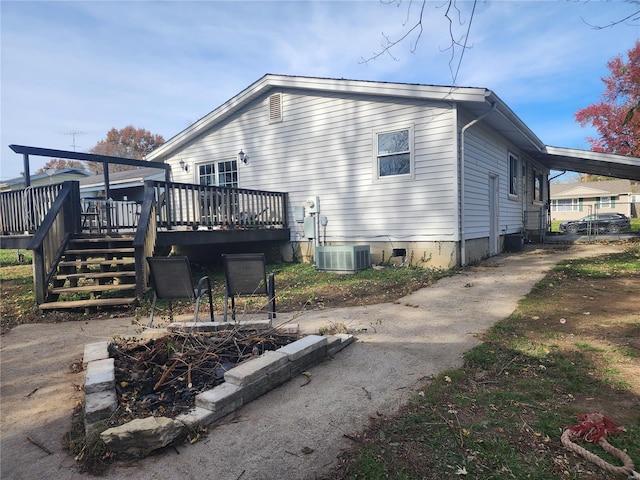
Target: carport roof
[583, 161]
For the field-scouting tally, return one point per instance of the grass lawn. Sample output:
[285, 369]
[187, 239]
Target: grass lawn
[571, 347]
[298, 286]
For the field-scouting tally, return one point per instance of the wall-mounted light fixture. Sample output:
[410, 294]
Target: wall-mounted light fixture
[242, 157]
[184, 166]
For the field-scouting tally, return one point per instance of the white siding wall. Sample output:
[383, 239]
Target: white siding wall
[487, 153]
[324, 147]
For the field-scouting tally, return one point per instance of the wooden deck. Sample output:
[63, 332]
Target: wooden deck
[48, 220]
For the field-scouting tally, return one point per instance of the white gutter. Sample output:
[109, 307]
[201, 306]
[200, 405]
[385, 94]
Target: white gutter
[463, 247]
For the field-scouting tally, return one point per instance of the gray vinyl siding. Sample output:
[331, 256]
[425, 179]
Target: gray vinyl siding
[324, 146]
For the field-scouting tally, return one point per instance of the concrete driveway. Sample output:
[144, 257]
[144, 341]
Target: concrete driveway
[399, 347]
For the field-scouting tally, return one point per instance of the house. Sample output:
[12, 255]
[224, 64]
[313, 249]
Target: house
[321, 168]
[441, 175]
[40, 179]
[571, 201]
[124, 185]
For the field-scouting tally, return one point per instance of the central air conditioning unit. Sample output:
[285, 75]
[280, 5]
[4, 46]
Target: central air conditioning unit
[343, 258]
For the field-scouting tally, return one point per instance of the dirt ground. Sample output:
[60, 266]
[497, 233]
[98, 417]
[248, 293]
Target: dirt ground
[291, 432]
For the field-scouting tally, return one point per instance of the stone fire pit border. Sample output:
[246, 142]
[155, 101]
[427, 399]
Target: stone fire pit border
[243, 383]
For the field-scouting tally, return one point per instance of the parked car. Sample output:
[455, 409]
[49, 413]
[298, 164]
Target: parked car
[598, 222]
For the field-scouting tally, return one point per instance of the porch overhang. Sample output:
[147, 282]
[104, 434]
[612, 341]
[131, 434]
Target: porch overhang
[105, 160]
[584, 161]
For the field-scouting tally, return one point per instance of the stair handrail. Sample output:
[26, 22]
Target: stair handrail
[50, 239]
[144, 241]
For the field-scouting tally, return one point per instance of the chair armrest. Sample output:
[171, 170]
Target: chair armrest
[201, 283]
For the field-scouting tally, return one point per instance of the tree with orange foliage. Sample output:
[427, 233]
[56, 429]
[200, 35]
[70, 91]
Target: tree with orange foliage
[617, 116]
[128, 142]
[60, 164]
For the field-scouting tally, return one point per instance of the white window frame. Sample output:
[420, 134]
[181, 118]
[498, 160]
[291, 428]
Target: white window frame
[216, 174]
[376, 158]
[538, 196]
[513, 166]
[567, 205]
[604, 202]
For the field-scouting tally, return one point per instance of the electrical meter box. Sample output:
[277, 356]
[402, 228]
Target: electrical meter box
[298, 213]
[310, 227]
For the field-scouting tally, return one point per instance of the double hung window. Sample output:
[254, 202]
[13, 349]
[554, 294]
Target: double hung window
[393, 153]
[538, 186]
[514, 165]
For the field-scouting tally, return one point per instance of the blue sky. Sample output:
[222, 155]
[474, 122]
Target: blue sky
[89, 66]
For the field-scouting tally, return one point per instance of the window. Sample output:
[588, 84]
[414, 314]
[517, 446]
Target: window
[538, 180]
[222, 174]
[513, 174]
[565, 205]
[604, 202]
[228, 174]
[393, 153]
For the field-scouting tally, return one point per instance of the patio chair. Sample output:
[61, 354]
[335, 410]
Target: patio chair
[245, 274]
[171, 278]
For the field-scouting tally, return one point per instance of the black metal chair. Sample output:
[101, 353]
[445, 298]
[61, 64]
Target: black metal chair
[246, 274]
[171, 278]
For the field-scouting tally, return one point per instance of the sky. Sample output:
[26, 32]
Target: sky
[71, 71]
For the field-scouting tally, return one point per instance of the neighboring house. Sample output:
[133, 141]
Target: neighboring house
[125, 185]
[440, 174]
[40, 179]
[571, 201]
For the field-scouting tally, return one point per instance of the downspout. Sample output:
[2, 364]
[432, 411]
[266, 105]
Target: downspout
[463, 247]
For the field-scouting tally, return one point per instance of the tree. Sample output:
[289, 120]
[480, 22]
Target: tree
[61, 164]
[414, 28]
[128, 142]
[613, 117]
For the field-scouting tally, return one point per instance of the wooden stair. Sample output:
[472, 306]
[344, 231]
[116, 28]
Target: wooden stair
[94, 271]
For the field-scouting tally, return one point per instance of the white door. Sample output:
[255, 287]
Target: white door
[493, 214]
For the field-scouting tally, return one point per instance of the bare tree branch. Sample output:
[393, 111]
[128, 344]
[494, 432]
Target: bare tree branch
[417, 28]
[389, 44]
[635, 16]
[454, 42]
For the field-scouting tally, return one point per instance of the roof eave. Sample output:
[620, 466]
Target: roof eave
[270, 81]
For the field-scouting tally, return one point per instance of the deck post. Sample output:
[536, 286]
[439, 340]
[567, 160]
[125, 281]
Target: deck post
[27, 174]
[39, 275]
[107, 193]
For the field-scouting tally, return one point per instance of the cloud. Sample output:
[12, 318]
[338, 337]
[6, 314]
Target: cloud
[90, 66]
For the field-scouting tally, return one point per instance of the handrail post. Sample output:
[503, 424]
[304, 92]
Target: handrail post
[168, 195]
[145, 237]
[39, 275]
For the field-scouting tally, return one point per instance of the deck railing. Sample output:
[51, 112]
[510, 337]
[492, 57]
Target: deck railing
[107, 216]
[49, 242]
[22, 211]
[201, 206]
[144, 242]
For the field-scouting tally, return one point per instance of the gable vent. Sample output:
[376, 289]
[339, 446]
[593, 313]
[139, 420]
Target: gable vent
[275, 107]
